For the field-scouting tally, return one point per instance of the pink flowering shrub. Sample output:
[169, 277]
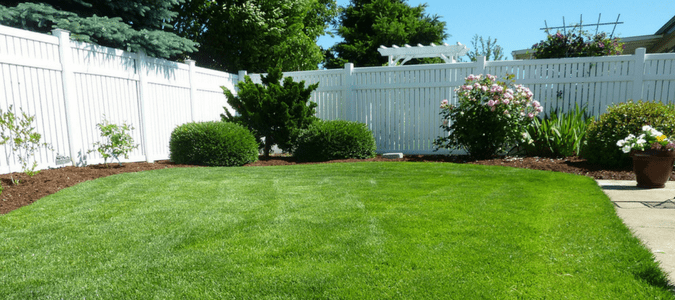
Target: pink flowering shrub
[490, 116]
[577, 43]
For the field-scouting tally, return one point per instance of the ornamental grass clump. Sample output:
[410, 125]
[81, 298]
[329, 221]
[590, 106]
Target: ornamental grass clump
[560, 134]
[490, 117]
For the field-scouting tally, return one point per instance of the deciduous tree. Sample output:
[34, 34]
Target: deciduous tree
[365, 25]
[255, 35]
[487, 48]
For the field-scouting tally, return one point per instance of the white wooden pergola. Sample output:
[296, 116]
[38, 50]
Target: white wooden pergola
[448, 53]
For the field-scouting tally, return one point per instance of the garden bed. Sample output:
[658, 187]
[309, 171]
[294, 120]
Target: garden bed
[51, 181]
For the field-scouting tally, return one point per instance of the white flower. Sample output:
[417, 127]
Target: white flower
[620, 143]
[655, 132]
[626, 149]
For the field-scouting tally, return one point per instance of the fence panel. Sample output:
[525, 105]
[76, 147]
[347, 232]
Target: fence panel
[400, 104]
[104, 81]
[659, 77]
[210, 100]
[31, 82]
[106, 85]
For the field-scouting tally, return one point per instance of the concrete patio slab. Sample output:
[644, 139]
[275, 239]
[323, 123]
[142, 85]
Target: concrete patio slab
[650, 214]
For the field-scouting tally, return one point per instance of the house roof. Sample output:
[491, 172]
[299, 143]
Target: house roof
[669, 27]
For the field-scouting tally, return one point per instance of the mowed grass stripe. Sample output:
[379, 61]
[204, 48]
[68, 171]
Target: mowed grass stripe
[336, 231]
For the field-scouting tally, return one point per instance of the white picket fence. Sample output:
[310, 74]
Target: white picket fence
[401, 104]
[70, 86]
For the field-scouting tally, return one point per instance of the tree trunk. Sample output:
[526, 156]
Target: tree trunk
[267, 148]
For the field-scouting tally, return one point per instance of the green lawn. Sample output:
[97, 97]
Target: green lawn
[327, 231]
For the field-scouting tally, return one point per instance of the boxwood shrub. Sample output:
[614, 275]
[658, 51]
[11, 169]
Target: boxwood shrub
[327, 140]
[619, 121]
[212, 144]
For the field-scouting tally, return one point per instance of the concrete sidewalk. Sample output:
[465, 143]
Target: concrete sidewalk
[650, 214]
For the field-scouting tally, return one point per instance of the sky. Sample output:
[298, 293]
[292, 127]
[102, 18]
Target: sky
[516, 24]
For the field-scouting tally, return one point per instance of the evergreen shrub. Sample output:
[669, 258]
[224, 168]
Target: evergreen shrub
[327, 140]
[212, 144]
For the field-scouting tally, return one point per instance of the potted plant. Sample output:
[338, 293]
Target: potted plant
[653, 156]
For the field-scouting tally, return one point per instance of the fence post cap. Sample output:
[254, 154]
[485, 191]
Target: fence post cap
[59, 31]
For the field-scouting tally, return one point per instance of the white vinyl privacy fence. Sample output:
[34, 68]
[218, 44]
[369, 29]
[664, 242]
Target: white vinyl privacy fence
[70, 86]
[401, 104]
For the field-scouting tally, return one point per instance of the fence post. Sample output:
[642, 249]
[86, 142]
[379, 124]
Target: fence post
[193, 89]
[638, 75]
[69, 96]
[480, 65]
[347, 92]
[142, 103]
[241, 77]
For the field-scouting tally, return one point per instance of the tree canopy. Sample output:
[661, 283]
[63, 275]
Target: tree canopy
[366, 24]
[256, 35]
[131, 25]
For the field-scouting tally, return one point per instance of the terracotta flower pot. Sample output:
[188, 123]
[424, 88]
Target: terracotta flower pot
[652, 168]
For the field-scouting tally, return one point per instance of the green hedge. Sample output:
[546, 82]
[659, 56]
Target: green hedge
[327, 140]
[619, 121]
[212, 144]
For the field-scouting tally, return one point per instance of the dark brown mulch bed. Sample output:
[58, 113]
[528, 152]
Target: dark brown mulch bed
[51, 181]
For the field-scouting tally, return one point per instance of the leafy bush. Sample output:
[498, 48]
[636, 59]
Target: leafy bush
[116, 141]
[17, 131]
[577, 44]
[618, 122]
[490, 116]
[326, 140]
[272, 111]
[212, 144]
[557, 135]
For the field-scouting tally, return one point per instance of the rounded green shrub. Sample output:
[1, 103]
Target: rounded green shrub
[619, 121]
[212, 144]
[326, 140]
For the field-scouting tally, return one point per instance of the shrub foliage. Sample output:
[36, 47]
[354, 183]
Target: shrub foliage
[490, 116]
[116, 141]
[212, 144]
[339, 139]
[273, 112]
[619, 121]
[17, 131]
[577, 43]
